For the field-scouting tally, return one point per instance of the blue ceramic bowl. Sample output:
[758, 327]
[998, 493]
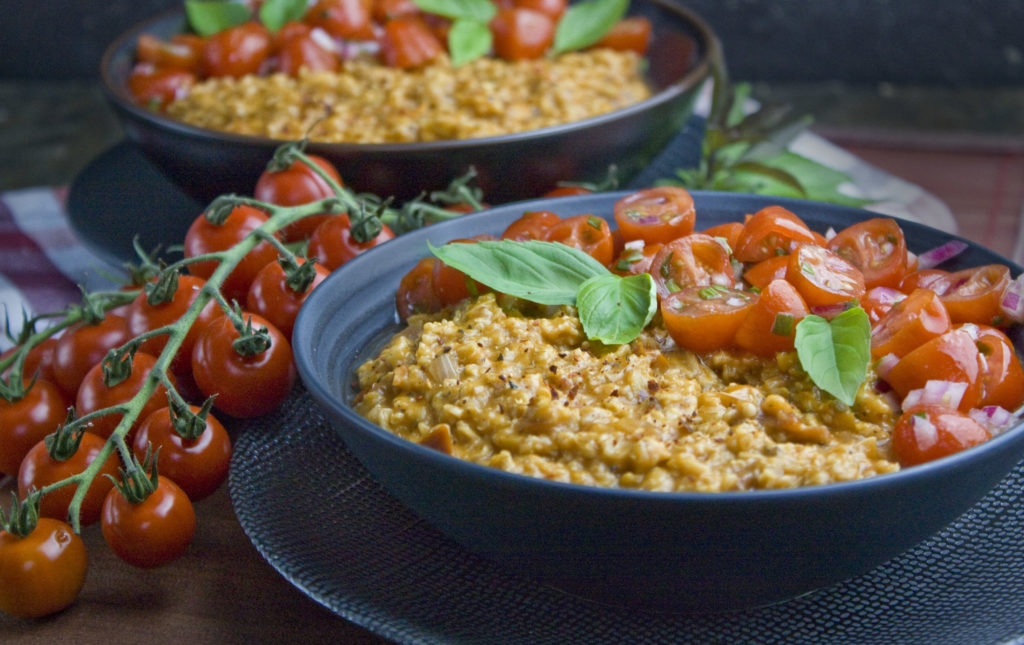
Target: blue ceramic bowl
[207, 163]
[672, 551]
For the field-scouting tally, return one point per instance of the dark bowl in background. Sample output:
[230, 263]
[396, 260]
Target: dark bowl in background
[667, 551]
[208, 163]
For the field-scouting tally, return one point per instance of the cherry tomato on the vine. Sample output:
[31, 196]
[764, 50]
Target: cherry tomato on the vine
[85, 345]
[298, 184]
[245, 386]
[205, 237]
[25, 422]
[927, 432]
[153, 532]
[43, 572]
[271, 297]
[659, 214]
[95, 394]
[332, 243]
[38, 361]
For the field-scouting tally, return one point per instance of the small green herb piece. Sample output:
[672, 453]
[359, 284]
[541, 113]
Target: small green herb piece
[207, 17]
[468, 40]
[783, 324]
[836, 353]
[585, 23]
[613, 309]
[275, 13]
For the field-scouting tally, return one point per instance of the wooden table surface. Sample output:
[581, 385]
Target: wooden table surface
[223, 592]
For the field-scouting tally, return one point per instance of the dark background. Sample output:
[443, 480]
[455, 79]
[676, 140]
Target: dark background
[943, 42]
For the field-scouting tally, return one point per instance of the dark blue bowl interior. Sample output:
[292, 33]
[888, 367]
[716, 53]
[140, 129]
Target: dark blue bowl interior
[510, 167]
[671, 551]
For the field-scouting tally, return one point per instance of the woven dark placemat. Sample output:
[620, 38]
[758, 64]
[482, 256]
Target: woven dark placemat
[317, 516]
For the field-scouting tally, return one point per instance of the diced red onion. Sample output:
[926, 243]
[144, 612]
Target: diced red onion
[830, 233]
[324, 39]
[925, 432]
[1012, 302]
[947, 393]
[830, 311]
[993, 418]
[938, 255]
[885, 365]
[634, 245]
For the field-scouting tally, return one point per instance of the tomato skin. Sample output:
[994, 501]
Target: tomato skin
[771, 231]
[408, 42]
[876, 247]
[236, 51]
[634, 261]
[143, 317]
[877, 301]
[728, 231]
[521, 33]
[95, 395]
[155, 87]
[1002, 377]
[298, 184]
[588, 233]
[152, 533]
[975, 295]
[39, 469]
[910, 323]
[632, 33]
[552, 8]
[342, 18]
[923, 279]
[205, 237]
[270, 296]
[949, 431]
[533, 225]
[332, 243]
[246, 386]
[38, 361]
[384, 10]
[694, 260]
[25, 422]
[953, 356]
[705, 319]
[43, 572]
[755, 334]
[567, 191]
[83, 346]
[416, 293]
[180, 52]
[653, 215]
[822, 277]
[306, 52]
[452, 285]
[198, 466]
[760, 274]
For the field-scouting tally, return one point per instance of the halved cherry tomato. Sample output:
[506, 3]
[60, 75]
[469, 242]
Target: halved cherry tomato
[975, 295]
[155, 87]
[822, 277]
[636, 258]
[632, 33]
[760, 274]
[288, 30]
[879, 300]
[153, 532]
[416, 293]
[408, 42]
[705, 319]
[953, 357]
[298, 184]
[95, 394]
[553, 8]
[728, 231]
[349, 19]
[181, 51]
[909, 323]
[659, 214]
[306, 52]
[83, 346]
[771, 231]
[332, 243]
[533, 225]
[520, 33]
[876, 247]
[924, 279]
[204, 237]
[43, 572]
[236, 51]
[588, 233]
[1002, 377]
[25, 422]
[770, 325]
[41, 468]
[694, 260]
[271, 296]
[928, 432]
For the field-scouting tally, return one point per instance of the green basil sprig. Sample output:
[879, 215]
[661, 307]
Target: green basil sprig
[612, 309]
[835, 354]
[207, 17]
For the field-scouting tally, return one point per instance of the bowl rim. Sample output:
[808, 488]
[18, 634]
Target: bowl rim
[922, 472]
[709, 53]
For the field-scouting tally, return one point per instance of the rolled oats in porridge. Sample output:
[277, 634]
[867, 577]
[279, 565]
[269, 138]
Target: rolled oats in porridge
[367, 102]
[532, 395]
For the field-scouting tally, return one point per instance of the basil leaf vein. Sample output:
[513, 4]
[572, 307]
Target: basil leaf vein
[614, 309]
[836, 353]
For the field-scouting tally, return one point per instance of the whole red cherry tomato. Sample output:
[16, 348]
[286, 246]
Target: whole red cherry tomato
[659, 214]
[198, 464]
[95, 394]
[245, 385]
[332, 243]
[85, 345]
[236, 51]
[58, 457]
[298, 184]
[271, 296]
[25, 422]
[205, 237]
[43, 572]
[152, 532]
[416, 293]
[521, 33]
[927, 432]
[38, 361]
[408, 42]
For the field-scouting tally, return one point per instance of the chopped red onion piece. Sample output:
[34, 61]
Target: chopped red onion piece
[938, 255]
[1012, 302]
[947, 393]
[925, 432]
[830, 311]
[885, 364]
[993, 418]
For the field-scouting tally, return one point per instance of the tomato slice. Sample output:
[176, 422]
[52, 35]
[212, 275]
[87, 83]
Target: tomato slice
[770, 326]
[772, 231]
[877, 301]
[632, 33]
[636, 258]
[923, 279]
[533, 225]
[953, 356]
[822, 277]
[655, 214]
[695, 260]
[928, 432]
[729, 231]
[705, 319]
[762, 273]
[1002, 377]
[588, 233]
[910, 323]
[974, 295]
[876, 247]
[408, 42]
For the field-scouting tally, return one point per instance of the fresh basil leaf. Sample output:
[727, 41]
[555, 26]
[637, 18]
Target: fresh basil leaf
[615, 309]
[585, 23]
[547, 273]
[275, 13]
[468, 40]
[207, 17]
[835, 354]
[477, 10]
